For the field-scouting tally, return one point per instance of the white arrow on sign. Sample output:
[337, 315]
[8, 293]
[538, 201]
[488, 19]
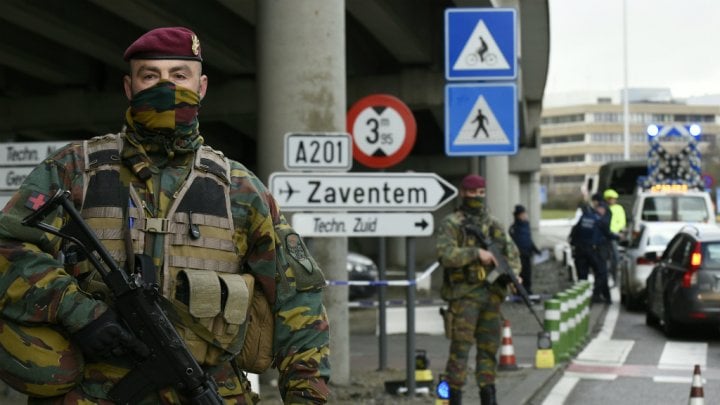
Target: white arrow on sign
[365, 224]
[361, 191]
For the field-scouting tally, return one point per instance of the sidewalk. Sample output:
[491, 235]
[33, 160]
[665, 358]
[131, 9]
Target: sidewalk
[513, 387]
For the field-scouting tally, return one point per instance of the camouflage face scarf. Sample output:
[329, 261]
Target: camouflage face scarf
[164, 117]
[473, 205]
[160, 119]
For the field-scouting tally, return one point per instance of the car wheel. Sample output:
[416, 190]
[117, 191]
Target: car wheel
[670, 327]
[633, 302]
[650, 318]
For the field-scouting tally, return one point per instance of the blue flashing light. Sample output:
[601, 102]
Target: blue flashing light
[443, 390]
[653, 130]
[695, 130]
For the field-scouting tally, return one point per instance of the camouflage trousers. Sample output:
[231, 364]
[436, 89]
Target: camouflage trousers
[476, 320]
[41, 362]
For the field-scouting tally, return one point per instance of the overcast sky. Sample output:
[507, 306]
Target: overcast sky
[671, 44]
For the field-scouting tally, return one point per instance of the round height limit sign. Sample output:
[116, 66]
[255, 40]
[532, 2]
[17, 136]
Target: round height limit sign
[383, 130]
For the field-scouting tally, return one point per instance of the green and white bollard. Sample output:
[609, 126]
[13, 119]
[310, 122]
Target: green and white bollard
[552, 325]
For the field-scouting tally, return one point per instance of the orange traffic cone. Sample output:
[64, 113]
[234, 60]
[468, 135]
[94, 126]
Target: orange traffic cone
[507, 352]
[697, 396]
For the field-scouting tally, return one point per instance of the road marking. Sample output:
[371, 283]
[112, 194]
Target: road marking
[561, 390]
[681, 355]
[605, 352]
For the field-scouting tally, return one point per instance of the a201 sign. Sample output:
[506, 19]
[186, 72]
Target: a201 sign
[326, 151]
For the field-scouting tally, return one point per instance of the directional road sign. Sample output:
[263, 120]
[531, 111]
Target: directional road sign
[12, 177]
[366, 224]
[481, 119]
[480, 44]
[26, 153]
[360, 191]
[323, 151]
[383, 130]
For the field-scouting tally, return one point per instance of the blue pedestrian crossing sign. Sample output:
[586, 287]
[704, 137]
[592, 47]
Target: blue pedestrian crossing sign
[481, 119]
[480, 44]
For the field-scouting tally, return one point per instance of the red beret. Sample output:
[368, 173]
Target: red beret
[473, 181]
[165, 43]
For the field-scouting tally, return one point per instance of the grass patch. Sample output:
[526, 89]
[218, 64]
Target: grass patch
[557, 214]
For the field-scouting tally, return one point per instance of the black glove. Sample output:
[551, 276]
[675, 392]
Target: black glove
[105, 337]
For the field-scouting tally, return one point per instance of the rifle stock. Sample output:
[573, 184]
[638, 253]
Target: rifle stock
[168, 361]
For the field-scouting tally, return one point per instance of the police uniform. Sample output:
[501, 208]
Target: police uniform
[243, 290]
[589, 238]
[522, 236]
[474, 304]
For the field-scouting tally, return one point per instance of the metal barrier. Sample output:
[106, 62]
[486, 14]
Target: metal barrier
[388, 283]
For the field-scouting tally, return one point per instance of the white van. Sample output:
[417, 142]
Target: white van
[673, 203]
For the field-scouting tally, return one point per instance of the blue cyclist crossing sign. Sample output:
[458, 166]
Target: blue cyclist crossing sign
[481, 119]
[480, 44]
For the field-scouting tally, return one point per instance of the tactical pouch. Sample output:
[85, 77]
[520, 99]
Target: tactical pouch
[217, 305]
[256, 355]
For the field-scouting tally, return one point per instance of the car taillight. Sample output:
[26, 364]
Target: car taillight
[690, 276]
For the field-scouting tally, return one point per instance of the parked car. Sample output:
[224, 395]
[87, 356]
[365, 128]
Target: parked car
[361, 268]
[684, 287]
[641, 254]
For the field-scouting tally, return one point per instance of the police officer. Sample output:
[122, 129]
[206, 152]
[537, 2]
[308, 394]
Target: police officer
[588, 238]
[474, 304]
[211, 227]
[617, 224]
[522, 236]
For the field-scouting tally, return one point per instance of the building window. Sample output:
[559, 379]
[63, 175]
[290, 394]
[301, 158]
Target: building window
[549, 140]
[606, 157]
[579, 178]
[606, 117]
[563, 119]
[563, 159]
[606, 138]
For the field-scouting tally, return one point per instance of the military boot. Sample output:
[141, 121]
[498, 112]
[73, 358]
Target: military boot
[455, 397]
[487, 395]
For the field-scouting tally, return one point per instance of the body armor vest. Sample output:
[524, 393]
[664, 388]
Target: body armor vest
[200, 274]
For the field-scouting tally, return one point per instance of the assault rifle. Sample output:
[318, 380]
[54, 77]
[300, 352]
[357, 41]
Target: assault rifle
[168, 361]
[502, 273]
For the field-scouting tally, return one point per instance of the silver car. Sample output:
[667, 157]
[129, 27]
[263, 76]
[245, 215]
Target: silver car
[641, 254]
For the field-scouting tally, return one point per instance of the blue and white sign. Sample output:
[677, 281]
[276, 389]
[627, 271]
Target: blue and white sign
[481, 119]
[480, 44]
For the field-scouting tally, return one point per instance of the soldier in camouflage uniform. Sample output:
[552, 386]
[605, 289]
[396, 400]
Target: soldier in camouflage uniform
[474, 305]
[215, 235]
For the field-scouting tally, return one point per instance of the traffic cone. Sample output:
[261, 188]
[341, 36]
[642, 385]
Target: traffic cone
[697, 396]
[507, 352]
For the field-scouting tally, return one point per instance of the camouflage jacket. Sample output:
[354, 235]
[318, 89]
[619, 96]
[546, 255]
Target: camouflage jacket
[457, 250]
[35, 288]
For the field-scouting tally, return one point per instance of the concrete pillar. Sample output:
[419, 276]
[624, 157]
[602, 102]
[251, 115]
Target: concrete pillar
[498, 195]
[302, 87]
